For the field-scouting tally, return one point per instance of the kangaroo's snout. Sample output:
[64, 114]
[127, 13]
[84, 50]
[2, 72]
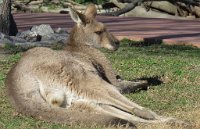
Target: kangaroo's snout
[114, 43]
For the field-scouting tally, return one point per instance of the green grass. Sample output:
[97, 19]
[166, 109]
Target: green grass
[177, 66]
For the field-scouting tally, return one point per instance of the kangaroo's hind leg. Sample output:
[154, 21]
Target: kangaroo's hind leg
[141, 114]
[113, 111]
[118, 100]
[114, 98]
[108, 94]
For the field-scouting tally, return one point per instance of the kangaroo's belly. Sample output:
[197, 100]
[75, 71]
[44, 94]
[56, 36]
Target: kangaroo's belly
[58, 76]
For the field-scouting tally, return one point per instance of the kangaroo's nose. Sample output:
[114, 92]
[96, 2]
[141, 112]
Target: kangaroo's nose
[117, 43]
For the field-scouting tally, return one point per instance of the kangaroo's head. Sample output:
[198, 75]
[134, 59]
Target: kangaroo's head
[88, 31]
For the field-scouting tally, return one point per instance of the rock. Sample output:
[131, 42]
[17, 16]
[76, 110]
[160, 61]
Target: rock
[12, 40]
[23, 34]
[1, 39]
[42, 30]
[7, 39]
[27, 45]
[2, 35]
[55, 38]
[17, 39]
[39, 36]
[35, 34]
[35, 44]
[61, 31]
[29, 36]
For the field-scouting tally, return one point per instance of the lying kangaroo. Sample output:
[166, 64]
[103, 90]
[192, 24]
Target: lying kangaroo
[78, 83]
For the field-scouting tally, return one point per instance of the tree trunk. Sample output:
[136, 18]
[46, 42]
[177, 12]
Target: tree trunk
[7, 24]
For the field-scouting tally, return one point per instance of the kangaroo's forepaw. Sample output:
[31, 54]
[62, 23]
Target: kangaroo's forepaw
[132, 86]
[145, 114]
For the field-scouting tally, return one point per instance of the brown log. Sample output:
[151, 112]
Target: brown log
[35, 2]
[183, 11]
[141, 12]
[126, 9]
[119, 4]
[187, 2]
[164, 6]
[196, 11]
[26, 3]
[73, 3]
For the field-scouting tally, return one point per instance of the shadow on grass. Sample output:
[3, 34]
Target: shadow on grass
[145, 43]
[159, 39]
[152, 81]
[154, 42]
[156, 46]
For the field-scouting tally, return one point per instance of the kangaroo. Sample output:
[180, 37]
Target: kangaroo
[77, 84]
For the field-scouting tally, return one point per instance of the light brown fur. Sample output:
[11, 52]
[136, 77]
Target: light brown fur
[77, 84]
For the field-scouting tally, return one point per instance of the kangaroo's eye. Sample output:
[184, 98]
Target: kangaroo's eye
[98, 32]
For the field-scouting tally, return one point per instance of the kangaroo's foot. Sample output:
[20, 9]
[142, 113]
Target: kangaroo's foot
[145, 114]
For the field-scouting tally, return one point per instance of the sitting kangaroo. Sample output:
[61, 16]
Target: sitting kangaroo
[76, 84]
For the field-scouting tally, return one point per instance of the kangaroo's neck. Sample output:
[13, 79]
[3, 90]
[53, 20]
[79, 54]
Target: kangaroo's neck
[89, 51]
[98, 58]
[76, 45]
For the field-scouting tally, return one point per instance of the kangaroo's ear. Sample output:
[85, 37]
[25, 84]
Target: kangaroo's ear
[77, 17]
[91, 11]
